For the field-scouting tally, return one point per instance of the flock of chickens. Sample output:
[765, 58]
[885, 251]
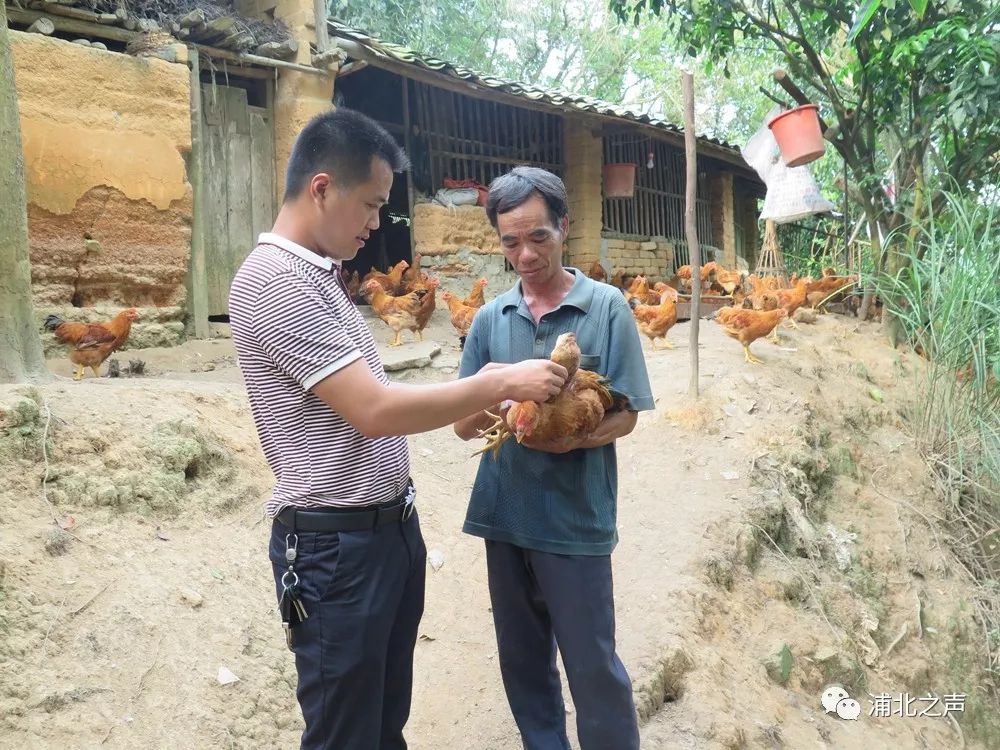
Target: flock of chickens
[759, 304]
[404, 299]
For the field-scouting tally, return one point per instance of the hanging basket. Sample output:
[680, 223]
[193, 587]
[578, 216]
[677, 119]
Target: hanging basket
[798, 135]
[619, 180]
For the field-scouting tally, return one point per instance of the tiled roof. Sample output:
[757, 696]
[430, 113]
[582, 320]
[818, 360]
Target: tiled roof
[557, 99]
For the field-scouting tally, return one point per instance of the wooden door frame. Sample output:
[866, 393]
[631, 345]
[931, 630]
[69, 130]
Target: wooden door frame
[197, 323]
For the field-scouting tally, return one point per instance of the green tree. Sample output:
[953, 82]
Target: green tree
[907, 89]
[20, 346]
[575, 47]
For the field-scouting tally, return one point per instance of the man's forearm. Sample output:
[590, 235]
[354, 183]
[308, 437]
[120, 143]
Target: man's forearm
[469, 427]
[440, 404]
[614, 426]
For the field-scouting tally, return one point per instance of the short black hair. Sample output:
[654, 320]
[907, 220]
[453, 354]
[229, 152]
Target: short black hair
[343, 143]
[509, 191]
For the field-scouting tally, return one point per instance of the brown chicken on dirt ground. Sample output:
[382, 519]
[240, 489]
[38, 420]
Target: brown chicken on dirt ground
[92, 342]
[655, 320]
[574, 413]
[391, 282]
[427, 305]
[790, 300]
[638, 288]
[746, 326]
[461, 315]
[413, 276]
[619, 279]
[597, 272]
[398, 313]
[476, 297]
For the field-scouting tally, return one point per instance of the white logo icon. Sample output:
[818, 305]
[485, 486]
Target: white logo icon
[848, 708]
[832, 695]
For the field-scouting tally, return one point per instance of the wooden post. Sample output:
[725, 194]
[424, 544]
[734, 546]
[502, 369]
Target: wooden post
[197, 278]
[21, 357]
[690, 225]
[322, 32]
[407, 127]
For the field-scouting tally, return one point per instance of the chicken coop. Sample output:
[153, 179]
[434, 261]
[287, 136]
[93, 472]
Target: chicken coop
[153, 201]
[462, 130]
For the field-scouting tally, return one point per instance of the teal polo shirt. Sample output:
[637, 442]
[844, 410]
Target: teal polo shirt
[561, 503]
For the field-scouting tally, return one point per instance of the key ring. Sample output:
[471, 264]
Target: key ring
[285, 575]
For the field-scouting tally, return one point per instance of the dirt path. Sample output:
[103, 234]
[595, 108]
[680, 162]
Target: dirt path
[114, 636]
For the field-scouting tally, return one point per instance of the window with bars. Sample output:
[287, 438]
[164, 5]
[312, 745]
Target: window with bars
[657, 206]
[465, 138]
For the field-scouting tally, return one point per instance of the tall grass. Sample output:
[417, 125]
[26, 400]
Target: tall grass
[948, 302]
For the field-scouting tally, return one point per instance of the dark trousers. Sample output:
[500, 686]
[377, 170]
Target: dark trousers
[364, 594]
[542, 600]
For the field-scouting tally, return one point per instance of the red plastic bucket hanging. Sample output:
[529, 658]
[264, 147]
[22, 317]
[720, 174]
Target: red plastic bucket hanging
[619, 180]
[798, 135]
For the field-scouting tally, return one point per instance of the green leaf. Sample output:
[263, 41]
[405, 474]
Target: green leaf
[876, 394]
[919, 7]
[865, 18]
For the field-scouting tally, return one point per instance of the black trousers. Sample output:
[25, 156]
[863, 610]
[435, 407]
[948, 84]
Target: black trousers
[542, 600]
[364, 594]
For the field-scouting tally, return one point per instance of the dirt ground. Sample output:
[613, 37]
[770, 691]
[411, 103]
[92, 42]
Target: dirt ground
[138, 569]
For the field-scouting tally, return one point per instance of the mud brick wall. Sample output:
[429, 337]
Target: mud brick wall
[105, 138]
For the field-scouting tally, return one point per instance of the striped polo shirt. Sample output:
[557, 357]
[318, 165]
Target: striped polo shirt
[294, 325]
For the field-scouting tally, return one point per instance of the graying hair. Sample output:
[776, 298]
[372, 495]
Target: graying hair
[511, 190]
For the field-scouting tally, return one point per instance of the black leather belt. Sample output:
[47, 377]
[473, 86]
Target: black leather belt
[348, 519]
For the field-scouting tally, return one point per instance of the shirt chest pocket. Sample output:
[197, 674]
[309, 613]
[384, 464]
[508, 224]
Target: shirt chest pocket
[590, 362]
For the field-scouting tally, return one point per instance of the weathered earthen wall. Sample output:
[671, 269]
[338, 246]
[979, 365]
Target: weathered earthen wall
[109, 204]
[459, 243]
[653, 259]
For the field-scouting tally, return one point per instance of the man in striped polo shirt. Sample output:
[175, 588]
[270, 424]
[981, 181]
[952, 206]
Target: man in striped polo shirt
[548, 511]
[346, 549]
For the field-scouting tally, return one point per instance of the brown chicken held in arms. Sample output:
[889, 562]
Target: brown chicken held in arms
[476, 297]
[574, 413]
[398, 313]
[746, 326]
[92, 342]
[461, 315]
[655, 320]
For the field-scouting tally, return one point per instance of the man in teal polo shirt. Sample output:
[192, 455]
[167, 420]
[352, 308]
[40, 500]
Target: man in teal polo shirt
[548, 511]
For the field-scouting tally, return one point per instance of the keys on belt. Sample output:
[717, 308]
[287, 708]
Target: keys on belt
[293, 611]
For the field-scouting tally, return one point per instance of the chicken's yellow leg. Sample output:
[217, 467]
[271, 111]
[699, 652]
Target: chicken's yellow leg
[420, 335]
[97, 373]
[396, 341]
[750, 358]
[78, 372]
[667, 344]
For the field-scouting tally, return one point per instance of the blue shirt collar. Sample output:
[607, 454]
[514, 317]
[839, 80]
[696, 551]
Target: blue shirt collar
[579, 296]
